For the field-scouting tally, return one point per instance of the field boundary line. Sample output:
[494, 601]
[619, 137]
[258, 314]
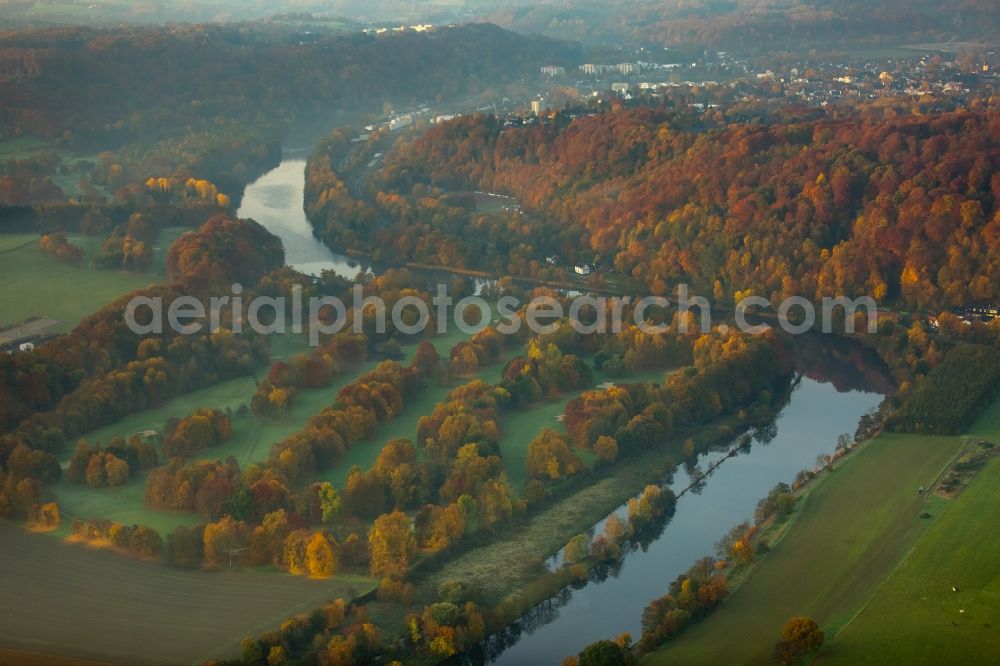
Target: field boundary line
[38, 278]
[18, 247]
[312, 603]
[905, 556]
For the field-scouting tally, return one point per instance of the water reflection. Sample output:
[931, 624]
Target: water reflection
[275, 200]
[723, 488]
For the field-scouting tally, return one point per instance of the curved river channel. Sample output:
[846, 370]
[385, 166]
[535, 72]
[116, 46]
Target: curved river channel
[276, 201]
[808, 426]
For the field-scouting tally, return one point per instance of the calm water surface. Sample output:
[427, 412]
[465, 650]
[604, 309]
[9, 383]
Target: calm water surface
[808, 426]
[275, 200]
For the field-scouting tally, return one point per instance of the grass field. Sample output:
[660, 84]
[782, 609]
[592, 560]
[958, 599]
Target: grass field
[32, 284]
[23, 658]
[251, 442]
[21, 147]
[850, 531]
[915, 617]
[97, 605]
[988, 424]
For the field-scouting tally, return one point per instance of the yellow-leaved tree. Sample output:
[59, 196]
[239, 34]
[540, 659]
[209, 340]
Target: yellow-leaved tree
[391, 542]
[320, 557]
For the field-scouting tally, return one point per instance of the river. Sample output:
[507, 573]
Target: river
[807, 427]
[275, 200]
[821, 407]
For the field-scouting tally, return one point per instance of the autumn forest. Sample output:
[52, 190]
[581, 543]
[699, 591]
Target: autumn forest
[635, 482]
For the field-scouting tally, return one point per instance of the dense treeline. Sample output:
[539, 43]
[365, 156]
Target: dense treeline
[202, 429]
[730, 373]
[342, 220]
[953, 394]
[102, 370]
[376, 397]
[227, 154]
[57, 247]
[312, 369]
[901, 208]
[225, 250]
[268, 75]
[112, 465]
[211, 102]
[137, 539]
[691, 596]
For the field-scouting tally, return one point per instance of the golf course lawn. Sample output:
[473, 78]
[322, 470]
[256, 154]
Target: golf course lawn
[916, 617]
[252, 437]
[850, 531]
[518, 428]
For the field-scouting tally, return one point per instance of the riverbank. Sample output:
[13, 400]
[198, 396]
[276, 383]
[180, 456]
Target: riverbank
[509, 570]
[849, 532]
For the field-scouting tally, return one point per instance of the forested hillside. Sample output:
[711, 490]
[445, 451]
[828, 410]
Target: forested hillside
[107, 109]
[90, 86]
[901, 208]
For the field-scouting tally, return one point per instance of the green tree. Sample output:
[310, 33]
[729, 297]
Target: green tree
[801, 636]
[605, 653]
[329, 501]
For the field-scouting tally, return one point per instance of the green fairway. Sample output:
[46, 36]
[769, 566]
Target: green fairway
[850, 531]
[32, 284]
[519, 428]
[252, 437]
[916, 618]
[251, 442]
[363, 454]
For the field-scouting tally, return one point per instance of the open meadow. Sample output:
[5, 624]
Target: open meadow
[849, 532]
[98, 605]
[252, 436]
[917, 617]
[33, 284]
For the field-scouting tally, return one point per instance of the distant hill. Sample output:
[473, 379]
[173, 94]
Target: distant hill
[746, 25]
[133, 83]
[20, 13]
[755, 25]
